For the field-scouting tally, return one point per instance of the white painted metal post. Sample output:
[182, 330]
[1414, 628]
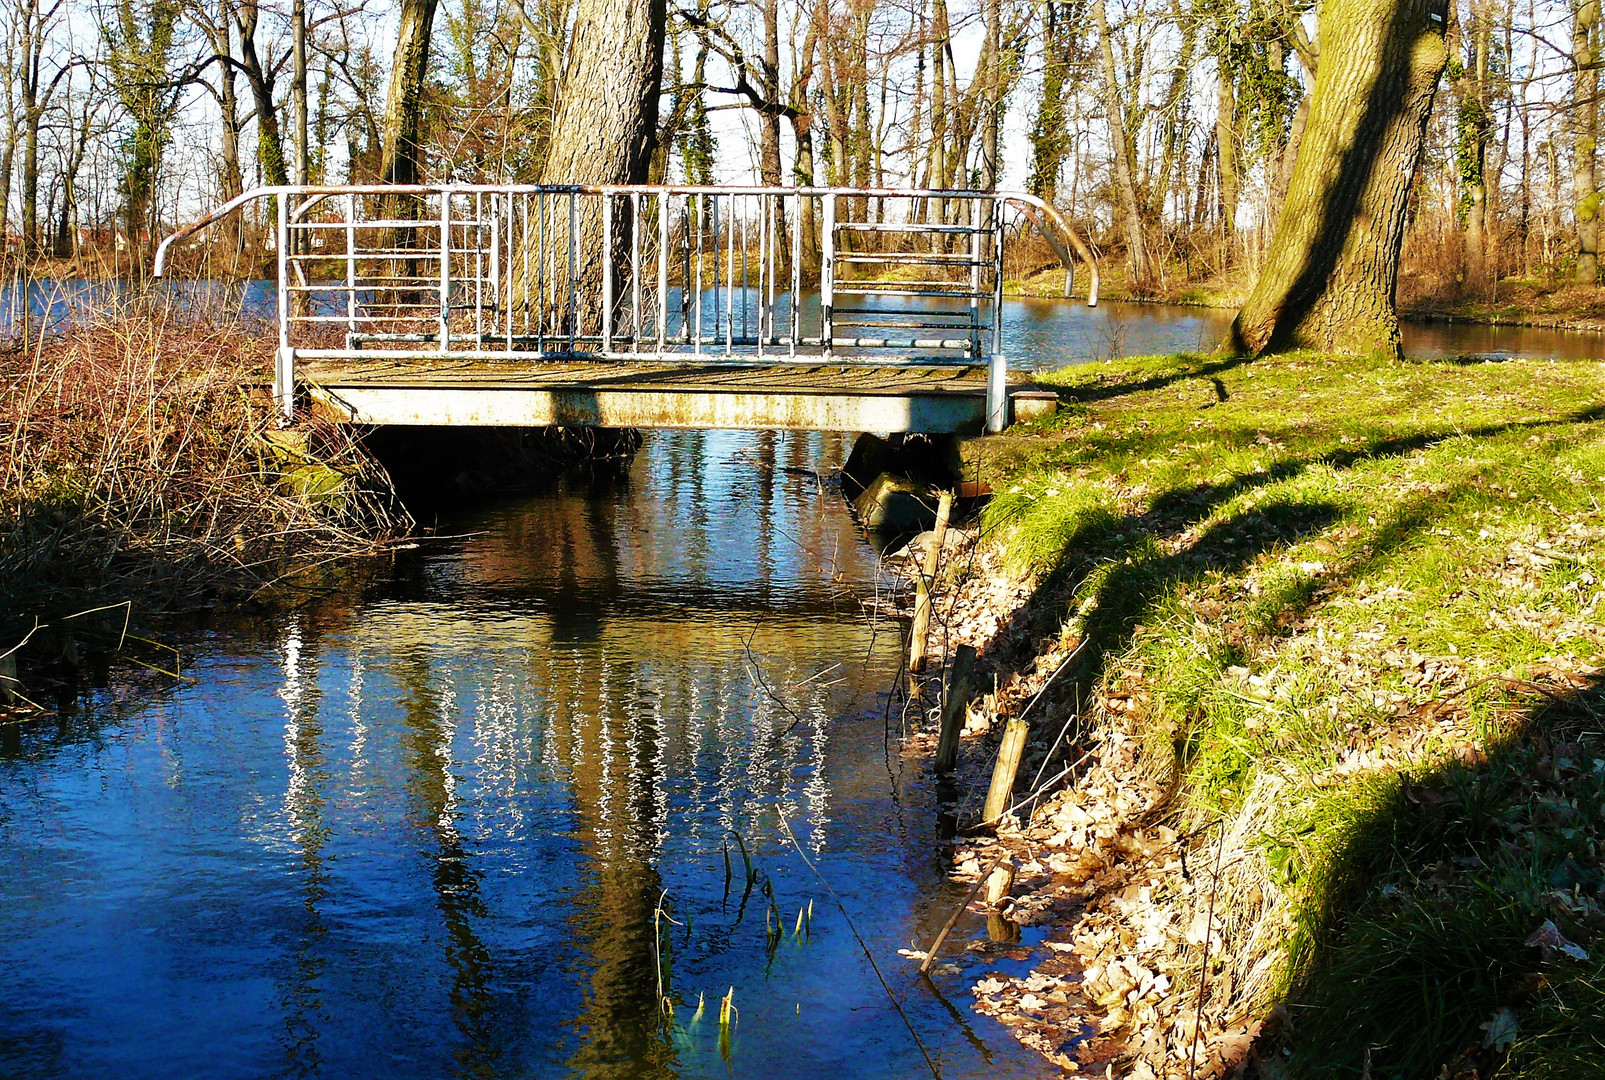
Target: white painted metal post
[351, 268]
[445, 271]
[607, 273]
[827, 279]
[997, 376]
[284, 360]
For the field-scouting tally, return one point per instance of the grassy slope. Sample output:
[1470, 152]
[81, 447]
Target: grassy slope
[1361, 604]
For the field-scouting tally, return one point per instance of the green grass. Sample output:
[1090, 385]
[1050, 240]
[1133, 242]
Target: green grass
[1372, 588]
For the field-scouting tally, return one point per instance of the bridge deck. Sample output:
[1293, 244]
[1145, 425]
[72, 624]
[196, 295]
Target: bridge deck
[796, 396]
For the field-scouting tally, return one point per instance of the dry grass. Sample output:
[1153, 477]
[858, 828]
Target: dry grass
[133, 468]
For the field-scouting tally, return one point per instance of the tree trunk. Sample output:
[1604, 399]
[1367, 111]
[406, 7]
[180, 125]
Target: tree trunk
[769, 157]
[992, 95]
[1329, 278]
[603, 131]
[1226, 149]
[1585, 118]
[398, 157]
[269, 140]
[1120, 144]
[298, 89]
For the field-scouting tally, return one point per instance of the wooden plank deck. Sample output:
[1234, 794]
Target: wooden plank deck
[796, 396]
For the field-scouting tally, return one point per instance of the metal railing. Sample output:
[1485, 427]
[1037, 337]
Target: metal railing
[646, 274]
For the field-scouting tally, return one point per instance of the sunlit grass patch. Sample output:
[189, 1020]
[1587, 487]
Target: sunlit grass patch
[1370, 588]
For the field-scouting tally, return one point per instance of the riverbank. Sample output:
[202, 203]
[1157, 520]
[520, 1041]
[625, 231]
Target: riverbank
[140, 478]
[1545, 305]
[1318, 643]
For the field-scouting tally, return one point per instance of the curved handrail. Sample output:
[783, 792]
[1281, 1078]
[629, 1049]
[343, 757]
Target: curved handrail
[1031, 205]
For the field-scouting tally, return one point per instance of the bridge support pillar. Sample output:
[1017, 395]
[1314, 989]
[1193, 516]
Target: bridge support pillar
[997, 394]
[284, 381]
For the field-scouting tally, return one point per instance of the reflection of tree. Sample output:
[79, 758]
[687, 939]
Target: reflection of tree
[426, 740]
[610, 748]
[304, 805]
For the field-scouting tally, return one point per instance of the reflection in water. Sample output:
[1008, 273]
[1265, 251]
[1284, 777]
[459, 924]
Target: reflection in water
[422, 830]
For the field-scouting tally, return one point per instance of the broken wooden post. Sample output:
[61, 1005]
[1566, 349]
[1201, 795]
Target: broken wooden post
[997, 796]
[922, 587]
[954, 701]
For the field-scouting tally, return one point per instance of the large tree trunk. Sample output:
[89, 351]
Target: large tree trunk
[1226, 149]
[398, 160]
[1329, 278]
[769, 158]
[607, 109]
[1125, 170]
[1585, 118]
[603, 132]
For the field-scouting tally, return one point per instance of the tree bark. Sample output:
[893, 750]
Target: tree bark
[769, 157]
[1585, 118]
[1125, 171]
[1330, 275]
[603, 131]
[398, 158]
[1226, 148]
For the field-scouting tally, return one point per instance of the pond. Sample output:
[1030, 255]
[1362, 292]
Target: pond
[422, 828]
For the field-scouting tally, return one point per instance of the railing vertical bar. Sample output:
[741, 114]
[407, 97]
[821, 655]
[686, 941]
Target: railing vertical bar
[445, 271]
[479, 265]
[977, 241]
[997, 389]
[731, 227]
[777, 211]
[635, 271]
[663, 268]
[284, 362]
[763, 276]
[525, 281]
[351, 267]
[607, 273]
[796, 273]
[508, 201]
[827, 279]
[696, 345]
[746, 232]
[541, 260]
[573, 267]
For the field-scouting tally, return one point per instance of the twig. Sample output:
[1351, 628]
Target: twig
[952, 920]
[784, 824]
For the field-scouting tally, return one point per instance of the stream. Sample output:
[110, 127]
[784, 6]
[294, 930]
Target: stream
[422, 828]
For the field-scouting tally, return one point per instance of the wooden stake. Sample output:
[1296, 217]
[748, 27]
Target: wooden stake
[954, 701]
[922, 587]
[997, 796]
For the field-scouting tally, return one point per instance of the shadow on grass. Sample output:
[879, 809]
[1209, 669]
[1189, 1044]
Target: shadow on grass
[1413, 958]
[1205, 367]
[1415, 962]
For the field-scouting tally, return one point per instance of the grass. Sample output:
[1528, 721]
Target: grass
[1360, 603]
[137, 470]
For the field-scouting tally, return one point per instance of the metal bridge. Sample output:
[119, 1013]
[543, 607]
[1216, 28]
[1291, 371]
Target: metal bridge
[647, 305]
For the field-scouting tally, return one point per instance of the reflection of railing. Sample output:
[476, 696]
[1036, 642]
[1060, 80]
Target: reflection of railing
[645, 274]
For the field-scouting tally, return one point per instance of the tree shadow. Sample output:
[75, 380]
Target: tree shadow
[1419, 957]
[1116, 567]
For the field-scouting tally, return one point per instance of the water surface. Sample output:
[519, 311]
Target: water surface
[422, 829]
[1038, 334]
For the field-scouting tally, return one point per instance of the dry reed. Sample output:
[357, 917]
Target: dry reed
[134, 467]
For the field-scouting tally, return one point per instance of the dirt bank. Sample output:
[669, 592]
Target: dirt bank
[1311, 651]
